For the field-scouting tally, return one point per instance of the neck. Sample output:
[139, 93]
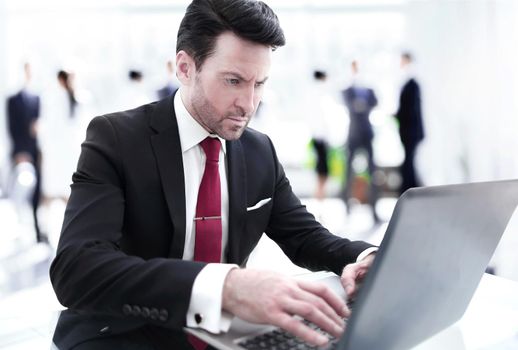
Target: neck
[185, 96]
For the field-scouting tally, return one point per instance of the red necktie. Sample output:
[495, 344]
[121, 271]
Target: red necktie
[207, 244]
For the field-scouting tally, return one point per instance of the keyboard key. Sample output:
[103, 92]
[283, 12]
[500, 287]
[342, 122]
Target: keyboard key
[279, 339]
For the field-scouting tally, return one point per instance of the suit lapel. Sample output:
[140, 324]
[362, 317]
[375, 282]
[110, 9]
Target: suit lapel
[168, 153]
[237, 199]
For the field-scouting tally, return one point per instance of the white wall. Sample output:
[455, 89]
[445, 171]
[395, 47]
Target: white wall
[467, 57]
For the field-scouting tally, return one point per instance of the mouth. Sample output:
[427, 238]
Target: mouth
[238, 117]
[238, 120]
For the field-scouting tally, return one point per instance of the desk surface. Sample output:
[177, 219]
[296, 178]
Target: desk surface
[491, 322]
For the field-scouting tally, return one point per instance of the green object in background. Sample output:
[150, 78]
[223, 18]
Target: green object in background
[335, 160]
[336, 163]
[311, 158]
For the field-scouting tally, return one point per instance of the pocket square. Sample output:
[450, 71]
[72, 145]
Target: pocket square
[259, 204]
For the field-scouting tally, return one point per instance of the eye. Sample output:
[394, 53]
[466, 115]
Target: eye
[233, 81]
[259, 84]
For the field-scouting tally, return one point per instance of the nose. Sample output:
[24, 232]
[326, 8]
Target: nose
[246, 100]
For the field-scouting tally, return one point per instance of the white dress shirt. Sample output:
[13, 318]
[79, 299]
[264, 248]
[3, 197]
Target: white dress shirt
[206, 295]
[207, 290]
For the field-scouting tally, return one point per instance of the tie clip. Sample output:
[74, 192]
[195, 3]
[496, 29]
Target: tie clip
[207, 218]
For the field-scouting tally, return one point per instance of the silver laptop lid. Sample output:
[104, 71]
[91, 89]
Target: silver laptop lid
[433, 255]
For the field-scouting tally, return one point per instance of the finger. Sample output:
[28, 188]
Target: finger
[352, 277]
[348, 279]
[326, 300]
[313, 314]
[322, 305]
[299, 329]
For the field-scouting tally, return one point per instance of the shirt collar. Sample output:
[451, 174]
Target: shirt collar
[191, 132]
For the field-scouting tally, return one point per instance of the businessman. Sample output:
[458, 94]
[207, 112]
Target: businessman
[170, 198]
[360, 101]
[410, 120]
[23, 112]
[170, 86]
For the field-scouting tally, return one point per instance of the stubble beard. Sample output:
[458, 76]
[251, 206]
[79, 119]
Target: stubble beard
[209, 118]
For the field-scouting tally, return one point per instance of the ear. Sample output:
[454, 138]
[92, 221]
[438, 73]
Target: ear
[185, 67]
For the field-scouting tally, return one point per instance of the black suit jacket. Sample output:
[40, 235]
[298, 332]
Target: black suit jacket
[409, 115]
[118, 262]
[23, 110]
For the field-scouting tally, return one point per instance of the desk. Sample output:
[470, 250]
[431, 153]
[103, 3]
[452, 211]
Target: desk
[490, 322]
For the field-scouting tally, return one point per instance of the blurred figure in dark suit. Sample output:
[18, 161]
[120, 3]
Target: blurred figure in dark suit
[410, 121]
[23, 111]
[170, 85]
[360, 101]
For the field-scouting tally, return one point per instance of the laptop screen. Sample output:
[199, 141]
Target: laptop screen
[433, 255]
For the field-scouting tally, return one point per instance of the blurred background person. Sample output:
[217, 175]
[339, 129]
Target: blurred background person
[410, 120]
[135, 93]
[60, 129]
[170, 85]
[23, 111]
[359, 100]
[320, 129]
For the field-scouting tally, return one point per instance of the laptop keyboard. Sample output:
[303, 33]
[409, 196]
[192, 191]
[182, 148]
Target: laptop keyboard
[279, 339]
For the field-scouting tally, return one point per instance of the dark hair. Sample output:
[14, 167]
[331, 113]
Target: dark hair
[65, 78]
[134, 74]
[205, 20]
[319, 75]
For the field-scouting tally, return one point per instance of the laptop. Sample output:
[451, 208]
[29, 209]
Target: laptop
[437, 246]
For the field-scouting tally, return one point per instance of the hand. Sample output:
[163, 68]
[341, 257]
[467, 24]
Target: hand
[353, 274]
[271, 298]
[22, 157]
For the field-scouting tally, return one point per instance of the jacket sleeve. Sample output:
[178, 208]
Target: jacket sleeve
[303, 239]
[90, 272]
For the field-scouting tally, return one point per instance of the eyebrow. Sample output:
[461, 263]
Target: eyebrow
[240, 77]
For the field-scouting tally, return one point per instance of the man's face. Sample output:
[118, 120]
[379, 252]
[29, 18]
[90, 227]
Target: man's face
[224, 94]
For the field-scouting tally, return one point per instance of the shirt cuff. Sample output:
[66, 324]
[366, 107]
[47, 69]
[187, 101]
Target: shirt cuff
[206, 297]
[366, 252]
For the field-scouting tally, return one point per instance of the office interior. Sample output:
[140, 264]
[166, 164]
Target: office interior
[465, 62]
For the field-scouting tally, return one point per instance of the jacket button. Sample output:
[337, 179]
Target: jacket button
[126, 309]
[153, 314]
[145, 312]
[198, 318]
[163, 315]
[136, 310]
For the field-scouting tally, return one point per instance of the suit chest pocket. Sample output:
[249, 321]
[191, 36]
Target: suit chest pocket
[258, 216]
